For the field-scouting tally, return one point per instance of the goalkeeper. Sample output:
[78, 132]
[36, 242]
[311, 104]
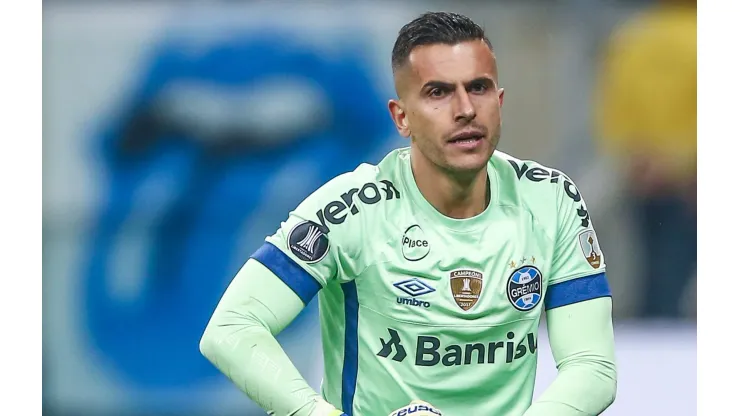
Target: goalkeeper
[433, 267]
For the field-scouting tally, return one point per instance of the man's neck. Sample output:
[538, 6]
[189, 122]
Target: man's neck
[454, 195]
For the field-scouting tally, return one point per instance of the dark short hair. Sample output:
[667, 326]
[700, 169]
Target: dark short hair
[434, 28]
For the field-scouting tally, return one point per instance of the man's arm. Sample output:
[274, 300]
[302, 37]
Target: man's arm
[240, 341]
[582, 342]
[578, 307]
[275, 284]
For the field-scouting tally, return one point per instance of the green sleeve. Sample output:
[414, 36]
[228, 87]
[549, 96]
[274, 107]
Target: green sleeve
[577, 251]
[240, 341]
[582, 342]
[305, 254]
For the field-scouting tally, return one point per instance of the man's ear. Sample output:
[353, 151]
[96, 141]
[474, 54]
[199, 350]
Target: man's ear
[399, 117]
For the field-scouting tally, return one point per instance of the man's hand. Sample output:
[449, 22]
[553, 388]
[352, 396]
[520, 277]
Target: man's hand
[417, 408]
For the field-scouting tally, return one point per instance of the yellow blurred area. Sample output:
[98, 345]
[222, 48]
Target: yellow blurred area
[646, 103]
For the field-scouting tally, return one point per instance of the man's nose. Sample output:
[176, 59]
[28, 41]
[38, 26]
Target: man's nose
[464, 109]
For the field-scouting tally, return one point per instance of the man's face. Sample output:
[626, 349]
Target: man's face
[450, 104]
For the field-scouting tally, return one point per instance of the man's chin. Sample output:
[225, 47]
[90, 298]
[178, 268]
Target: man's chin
[469, 163]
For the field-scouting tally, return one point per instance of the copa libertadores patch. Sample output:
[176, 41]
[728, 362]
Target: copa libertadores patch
[308, 242]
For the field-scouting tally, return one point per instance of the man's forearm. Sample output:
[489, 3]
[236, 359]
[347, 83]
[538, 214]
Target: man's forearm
[582, 341]
[254, 361]
[240, 341]
[582, 389]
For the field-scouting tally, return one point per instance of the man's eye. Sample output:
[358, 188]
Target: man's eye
[478, 88]
[436, 92]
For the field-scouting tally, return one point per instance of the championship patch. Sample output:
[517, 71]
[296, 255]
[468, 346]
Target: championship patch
[525, 288]
[307, 242]
[590, 248]
[466, 286]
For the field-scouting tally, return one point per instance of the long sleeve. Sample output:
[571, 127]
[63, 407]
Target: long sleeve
[240, 341]
[582, 342]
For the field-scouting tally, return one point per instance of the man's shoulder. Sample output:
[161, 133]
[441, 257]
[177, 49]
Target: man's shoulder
[525, 172]
[368, 183]
[355, 194]
[538, 187]
[383, 171]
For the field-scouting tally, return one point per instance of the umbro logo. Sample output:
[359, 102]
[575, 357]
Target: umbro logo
[414, 287]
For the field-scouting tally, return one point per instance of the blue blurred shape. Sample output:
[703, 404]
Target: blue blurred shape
[217, 139]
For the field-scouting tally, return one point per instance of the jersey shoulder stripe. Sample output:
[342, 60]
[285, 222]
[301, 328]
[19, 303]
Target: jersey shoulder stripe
[577, 290]
[287, 270]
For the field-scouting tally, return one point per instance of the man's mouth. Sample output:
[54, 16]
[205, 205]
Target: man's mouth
[467, 137]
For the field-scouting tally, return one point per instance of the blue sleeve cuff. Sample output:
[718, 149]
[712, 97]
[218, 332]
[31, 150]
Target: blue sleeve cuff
[577, 290]
[293, 275]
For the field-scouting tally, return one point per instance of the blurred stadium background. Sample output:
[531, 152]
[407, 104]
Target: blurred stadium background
[178, 134]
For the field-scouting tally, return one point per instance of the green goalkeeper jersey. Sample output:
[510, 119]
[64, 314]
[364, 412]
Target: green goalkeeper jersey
[414, 304]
